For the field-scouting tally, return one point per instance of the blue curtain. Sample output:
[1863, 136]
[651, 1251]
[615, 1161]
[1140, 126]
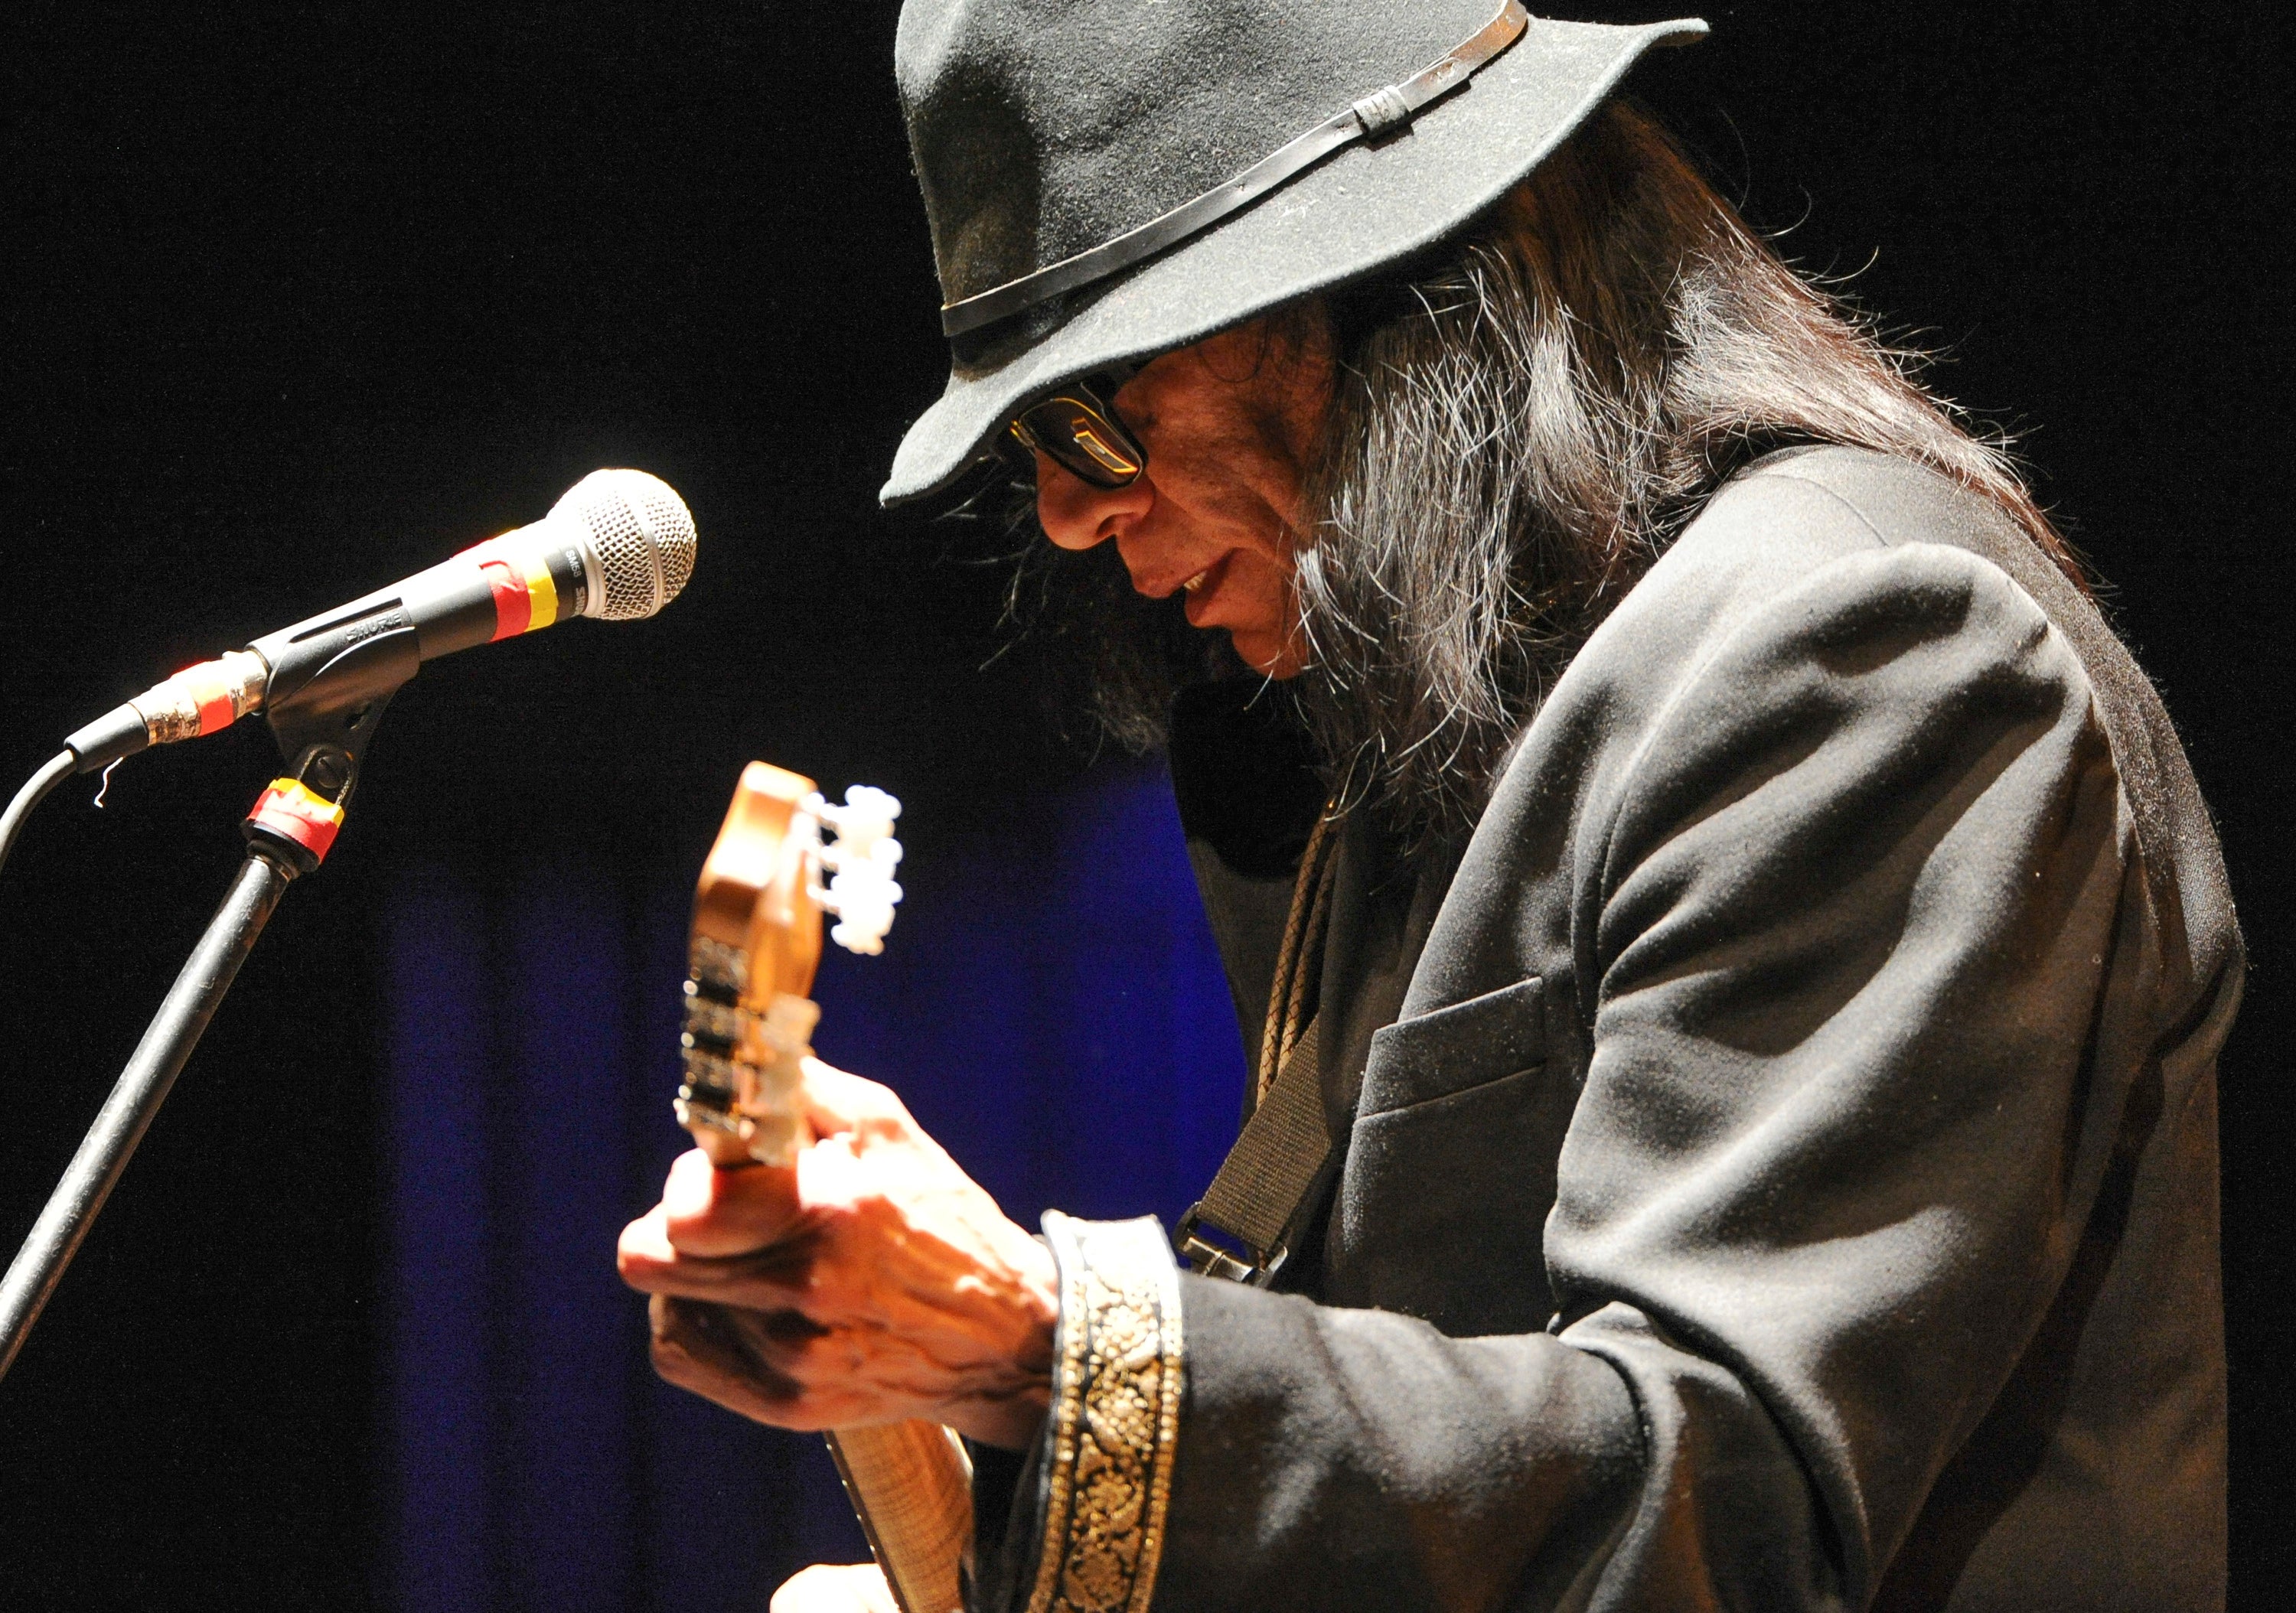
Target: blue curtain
[1054, 1013]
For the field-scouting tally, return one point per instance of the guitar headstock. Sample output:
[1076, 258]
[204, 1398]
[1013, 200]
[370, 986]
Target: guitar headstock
[755, 945]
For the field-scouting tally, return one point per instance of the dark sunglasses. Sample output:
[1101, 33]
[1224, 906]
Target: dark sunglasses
[1078, 431]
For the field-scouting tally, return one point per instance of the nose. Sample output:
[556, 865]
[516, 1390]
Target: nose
[1078, 515]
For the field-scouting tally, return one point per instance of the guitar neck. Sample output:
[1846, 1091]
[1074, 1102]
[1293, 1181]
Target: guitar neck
[749, 1019]
[911, 1486]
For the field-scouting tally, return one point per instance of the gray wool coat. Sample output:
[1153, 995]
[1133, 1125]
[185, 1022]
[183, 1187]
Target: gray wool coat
[1780, 1145]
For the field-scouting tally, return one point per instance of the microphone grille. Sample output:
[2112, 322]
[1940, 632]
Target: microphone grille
[641, 534]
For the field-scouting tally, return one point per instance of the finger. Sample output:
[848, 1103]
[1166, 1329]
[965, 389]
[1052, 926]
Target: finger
[772, 1280]
[730, 1356]
[791, 1350]
[851, 1375]
[843, 1375]
[835, 1588]
[701, 1347]
[710, 1210]
[644, 1249]
[649, 1261]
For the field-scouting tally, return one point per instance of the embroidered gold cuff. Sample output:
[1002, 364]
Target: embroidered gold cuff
[1115, 1416]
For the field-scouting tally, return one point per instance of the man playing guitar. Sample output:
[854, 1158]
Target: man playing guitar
[1736, 1019]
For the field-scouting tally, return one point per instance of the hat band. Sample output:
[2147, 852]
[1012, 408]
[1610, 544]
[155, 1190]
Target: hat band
[1374, 114]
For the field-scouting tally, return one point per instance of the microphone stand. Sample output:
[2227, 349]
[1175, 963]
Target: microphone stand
[325, 731]
[143, 1086]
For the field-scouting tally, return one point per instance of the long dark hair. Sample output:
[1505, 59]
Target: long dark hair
[1519, 427]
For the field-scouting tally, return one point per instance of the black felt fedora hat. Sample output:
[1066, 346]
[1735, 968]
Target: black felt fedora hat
[1110, 179]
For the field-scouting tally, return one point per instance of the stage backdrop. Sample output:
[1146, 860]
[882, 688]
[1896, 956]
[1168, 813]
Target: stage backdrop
[1052, 1012]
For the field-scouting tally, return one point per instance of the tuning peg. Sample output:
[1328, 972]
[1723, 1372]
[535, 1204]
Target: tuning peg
[861, 891]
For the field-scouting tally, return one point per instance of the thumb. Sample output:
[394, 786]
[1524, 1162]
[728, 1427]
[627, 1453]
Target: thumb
[836, 1102]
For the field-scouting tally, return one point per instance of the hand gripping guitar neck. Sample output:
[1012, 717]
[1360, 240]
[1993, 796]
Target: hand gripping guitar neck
[749, 1025]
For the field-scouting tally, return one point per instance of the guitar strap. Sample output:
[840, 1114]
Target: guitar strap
[1276, 1172]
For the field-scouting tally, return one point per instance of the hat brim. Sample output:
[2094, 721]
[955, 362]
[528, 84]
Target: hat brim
[1367, 205]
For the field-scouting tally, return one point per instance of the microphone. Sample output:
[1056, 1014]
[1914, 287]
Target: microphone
[618, 547]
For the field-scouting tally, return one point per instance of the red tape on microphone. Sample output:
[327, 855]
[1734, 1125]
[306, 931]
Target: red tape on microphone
[217, 711]
[512, 609]
[290, 809]
[526, 595]
[207, 689]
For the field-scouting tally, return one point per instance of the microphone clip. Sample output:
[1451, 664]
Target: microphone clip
[327, 693]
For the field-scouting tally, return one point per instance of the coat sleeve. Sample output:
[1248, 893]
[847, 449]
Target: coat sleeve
[1841, 896]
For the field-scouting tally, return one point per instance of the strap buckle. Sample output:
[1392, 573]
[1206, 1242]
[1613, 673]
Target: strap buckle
[1208, 1259]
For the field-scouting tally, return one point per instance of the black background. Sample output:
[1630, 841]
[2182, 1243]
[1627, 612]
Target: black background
[301, 299]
